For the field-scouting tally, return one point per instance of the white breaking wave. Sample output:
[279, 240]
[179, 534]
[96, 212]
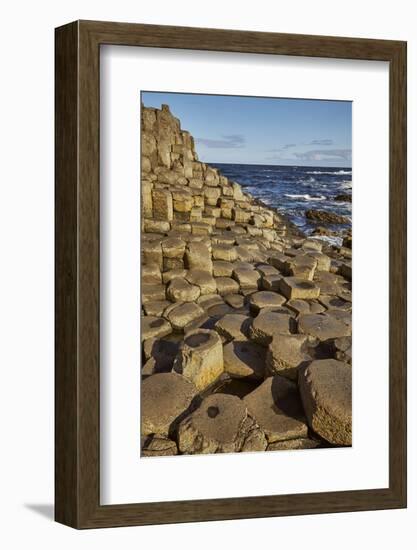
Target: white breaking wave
[306, 197]
[338, 172]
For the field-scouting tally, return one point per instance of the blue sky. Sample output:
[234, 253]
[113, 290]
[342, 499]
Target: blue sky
[252, 130]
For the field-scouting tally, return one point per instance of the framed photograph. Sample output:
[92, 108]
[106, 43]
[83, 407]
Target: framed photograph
[230, 274]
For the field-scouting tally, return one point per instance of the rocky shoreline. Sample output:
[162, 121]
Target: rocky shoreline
[246, 323]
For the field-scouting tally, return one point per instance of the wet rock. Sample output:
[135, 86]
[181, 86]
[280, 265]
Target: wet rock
[244, 360]
[164, 397]
[220, 425]
[233, 327]
[325, 217]
[275, 406]
[343, 198]
[286, 354]
[326, 392]
[200, 358]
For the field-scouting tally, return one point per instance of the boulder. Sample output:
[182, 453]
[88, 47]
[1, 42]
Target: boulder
[275, 406]
[244, 360]
[200, 358]
[233, 326]
[286, 353]
[326, 391]
[220, 425]
[164, 398]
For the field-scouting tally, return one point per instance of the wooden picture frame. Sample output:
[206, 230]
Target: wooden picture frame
[77, 404]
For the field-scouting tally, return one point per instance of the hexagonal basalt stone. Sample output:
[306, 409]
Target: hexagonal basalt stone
[220, 425]
[200, 358]
[268, 323]
[203, 279]
[198, 256]
[224, 252]
[265, 299]
[180, 314]
[244, 360]
[222, 268]
[247, 278]
[275, 406]
[226, 285]
[164, 398]
[295, 288]
[322, 326]
[233, 327]
[286, 354]
[154, 327]
[180, 290]
[326, 393]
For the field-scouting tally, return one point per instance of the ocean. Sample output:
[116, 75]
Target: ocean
[292, 190]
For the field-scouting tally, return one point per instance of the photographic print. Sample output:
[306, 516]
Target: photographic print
[246, 262]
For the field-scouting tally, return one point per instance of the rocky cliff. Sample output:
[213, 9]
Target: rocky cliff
[246, 328]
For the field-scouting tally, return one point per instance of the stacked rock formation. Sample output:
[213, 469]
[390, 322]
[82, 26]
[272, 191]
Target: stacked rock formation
[246, 325]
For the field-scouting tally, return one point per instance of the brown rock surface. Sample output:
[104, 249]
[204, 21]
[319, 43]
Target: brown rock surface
[326, 392]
